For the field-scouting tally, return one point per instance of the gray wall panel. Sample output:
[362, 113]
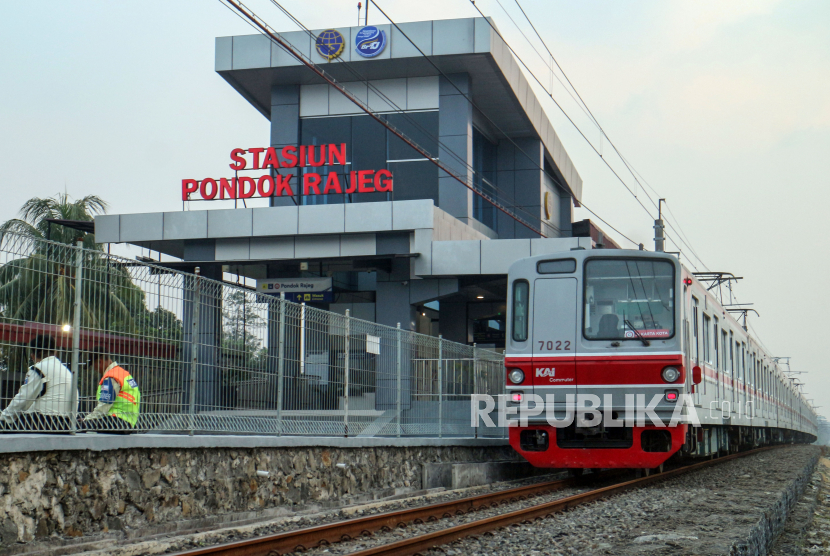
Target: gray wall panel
[285, 121]
[316, 247]
[456, 257]
[409, 215]
[368, 217]
[547, 245]
[392, 89]
[322, 219]
[299, 40]
[456, 117]
[185, 225]
[340, 104]
[497, 255]
[285, 94]
[422, 93]
[421, 243]
[419, 32]
[314, 100]
[143, 227]
[272, 248]
[275, 221]
[224, 53]
[230, 223]
[358, 245]
[107, 228]
[483, 33]
[233, 249]
[453, 36]
[251, 51]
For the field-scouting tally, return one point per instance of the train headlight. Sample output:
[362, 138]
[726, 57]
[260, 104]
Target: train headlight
[670, 374]
[516, 376]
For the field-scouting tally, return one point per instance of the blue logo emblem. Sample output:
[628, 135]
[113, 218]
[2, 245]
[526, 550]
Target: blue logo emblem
[330, 44]
[370, 41]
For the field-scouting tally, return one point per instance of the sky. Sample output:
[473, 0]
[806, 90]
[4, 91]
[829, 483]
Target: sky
[723, 108]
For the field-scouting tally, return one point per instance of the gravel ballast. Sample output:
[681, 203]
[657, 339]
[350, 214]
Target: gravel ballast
[734, 508]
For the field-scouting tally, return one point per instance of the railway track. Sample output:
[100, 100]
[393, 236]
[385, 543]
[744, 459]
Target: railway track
[311, 537]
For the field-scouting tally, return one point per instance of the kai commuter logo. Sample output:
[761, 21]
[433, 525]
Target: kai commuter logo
[370, 41]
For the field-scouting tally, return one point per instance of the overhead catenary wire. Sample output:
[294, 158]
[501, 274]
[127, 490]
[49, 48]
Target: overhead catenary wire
[265, 29]
[462, 160]
[584, 106]
[578, 129]
[474, 105]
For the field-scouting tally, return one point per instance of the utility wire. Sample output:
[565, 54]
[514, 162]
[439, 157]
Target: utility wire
[586, 109]
[579, 130]
[264, 28]
[474, 105]
[462, 160]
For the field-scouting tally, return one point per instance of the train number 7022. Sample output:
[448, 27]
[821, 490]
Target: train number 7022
[551, 345]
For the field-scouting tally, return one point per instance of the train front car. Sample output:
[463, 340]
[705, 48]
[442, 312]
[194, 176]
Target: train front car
[596, 327]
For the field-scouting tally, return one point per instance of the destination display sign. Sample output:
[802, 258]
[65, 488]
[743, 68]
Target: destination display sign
[299, 290]
[327, 180]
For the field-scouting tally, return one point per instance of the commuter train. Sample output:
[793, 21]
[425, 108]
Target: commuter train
[621, 323]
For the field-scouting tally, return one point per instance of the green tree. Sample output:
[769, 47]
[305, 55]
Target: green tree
[36, 211]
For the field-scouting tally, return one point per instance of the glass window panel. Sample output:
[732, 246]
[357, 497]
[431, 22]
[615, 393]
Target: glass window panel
[520, 307]
[563, 266]
[414, 180]
[420, 127]
[628, 299]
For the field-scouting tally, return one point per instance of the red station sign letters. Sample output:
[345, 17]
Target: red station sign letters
[304, 156]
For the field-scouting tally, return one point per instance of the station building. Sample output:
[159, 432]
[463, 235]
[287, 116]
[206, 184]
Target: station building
[430, 254]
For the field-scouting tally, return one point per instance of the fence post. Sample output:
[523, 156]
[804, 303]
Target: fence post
[440, 386]
[281, 364]
[398, 367]
[475, 378]
[346, 377]
[194, 348]
[76, 337]
[302, 338]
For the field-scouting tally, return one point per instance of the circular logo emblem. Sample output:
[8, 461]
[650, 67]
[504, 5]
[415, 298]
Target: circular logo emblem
[330, 44]
[548, 205]
[370, 41]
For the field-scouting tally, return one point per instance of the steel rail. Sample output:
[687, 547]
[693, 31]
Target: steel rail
[311, 537]
[323, 535]
[420, 543]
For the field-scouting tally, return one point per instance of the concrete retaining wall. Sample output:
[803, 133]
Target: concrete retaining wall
[121, 492]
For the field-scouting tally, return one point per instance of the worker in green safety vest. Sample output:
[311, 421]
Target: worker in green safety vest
[118, 396]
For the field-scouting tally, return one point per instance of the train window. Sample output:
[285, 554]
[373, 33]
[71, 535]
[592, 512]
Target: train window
[520, 307]
[707, 345]
[724, 343]
[562, 266]
[715, 339]
[628, 299]
[695, 317]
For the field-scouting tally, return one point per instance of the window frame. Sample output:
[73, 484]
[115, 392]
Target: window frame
[675, 289]
[513, 337]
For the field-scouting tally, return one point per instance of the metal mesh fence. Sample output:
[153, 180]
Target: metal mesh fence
[177, 352]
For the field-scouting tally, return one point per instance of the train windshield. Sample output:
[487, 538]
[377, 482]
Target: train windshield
[629, 299]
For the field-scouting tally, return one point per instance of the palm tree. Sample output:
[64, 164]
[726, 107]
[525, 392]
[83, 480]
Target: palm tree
[36, 211]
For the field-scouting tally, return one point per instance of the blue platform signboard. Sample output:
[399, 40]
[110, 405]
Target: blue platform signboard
[298, 290]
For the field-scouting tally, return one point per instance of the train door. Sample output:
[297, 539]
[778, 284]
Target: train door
[554, 339]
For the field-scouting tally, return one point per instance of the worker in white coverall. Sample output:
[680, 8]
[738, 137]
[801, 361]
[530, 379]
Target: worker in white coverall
[43, 402]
